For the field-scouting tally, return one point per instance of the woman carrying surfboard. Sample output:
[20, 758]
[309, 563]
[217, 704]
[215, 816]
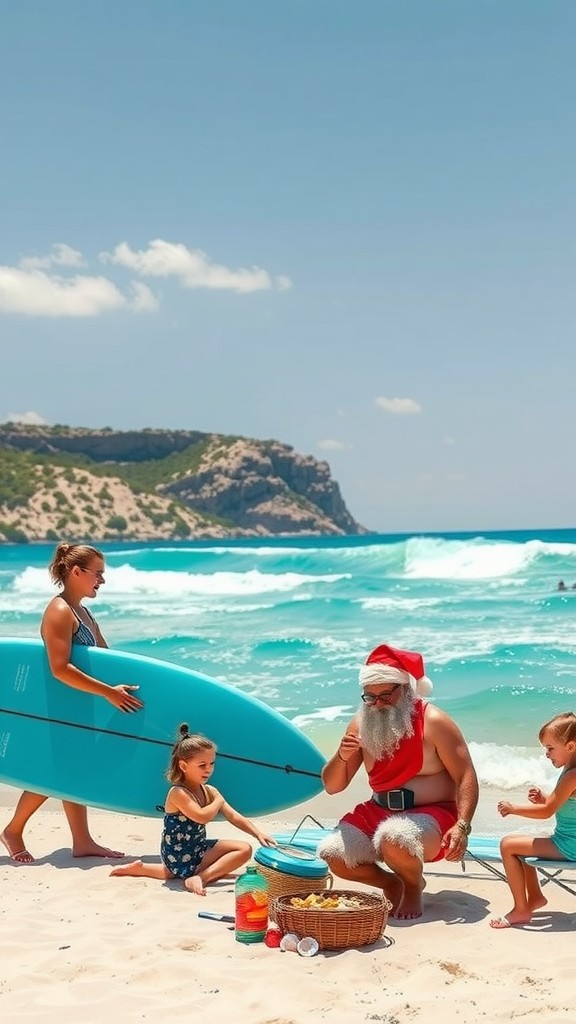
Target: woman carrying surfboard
[78, 570]
[185, 851]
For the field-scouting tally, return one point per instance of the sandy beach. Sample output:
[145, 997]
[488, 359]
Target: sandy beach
[80, 944]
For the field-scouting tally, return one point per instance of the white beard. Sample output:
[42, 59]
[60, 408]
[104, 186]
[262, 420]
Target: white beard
[382, 728]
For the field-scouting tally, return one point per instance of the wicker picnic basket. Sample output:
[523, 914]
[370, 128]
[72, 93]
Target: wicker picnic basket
[335, 929]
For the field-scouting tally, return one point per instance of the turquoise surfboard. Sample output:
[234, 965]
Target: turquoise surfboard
[65, 743]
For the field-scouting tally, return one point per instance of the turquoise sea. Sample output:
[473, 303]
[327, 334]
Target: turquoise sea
[290, 621]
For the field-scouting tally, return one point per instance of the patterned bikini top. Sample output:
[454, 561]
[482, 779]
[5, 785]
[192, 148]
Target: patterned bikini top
[83, 634]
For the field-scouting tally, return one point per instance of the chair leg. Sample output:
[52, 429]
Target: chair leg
[548, 877]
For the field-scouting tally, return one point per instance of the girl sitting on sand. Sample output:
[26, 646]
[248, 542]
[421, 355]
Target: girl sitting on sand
[185, 851]
[558, 737]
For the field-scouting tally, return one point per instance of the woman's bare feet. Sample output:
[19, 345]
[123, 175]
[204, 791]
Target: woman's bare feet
[195, 884]
[92, 849]
[14, 843]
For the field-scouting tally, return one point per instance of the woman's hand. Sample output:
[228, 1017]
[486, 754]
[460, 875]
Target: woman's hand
[504, 808]
[536, 796]
[121, 698]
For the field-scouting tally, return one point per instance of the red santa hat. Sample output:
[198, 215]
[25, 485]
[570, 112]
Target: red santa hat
[409, 662]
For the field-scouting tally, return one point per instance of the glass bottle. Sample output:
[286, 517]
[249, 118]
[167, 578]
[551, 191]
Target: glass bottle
[251, 904]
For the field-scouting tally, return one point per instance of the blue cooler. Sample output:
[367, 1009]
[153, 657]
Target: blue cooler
[292, 870]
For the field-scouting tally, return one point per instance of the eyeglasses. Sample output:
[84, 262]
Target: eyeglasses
[380, 698]
[95, 572]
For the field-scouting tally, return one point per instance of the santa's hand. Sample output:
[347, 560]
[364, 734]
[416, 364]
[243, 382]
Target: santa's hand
[349, 745]
[455, 843]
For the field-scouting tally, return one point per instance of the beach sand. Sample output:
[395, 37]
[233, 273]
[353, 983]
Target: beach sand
[80, 945]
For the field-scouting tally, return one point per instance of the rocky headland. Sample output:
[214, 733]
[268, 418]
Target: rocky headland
[79, 483]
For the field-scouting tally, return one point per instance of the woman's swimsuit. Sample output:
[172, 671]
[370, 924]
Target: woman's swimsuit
[564, 836]
[184, 842]
[83, 635]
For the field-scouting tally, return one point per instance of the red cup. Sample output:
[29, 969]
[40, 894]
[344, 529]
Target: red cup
[272, 937]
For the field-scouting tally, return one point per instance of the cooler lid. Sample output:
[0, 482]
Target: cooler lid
[298, 862]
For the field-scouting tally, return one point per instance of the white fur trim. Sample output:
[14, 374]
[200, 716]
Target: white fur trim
[376, 673]
[347, 843]
[405, 830]
[399, 832]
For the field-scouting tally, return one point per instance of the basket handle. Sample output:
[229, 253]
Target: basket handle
[299, 826]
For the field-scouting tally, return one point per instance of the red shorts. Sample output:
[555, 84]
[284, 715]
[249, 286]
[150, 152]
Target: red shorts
[368, 816]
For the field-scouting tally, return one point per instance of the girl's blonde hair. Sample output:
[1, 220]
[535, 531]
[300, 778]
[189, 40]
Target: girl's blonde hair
[562, 727]
[67, 556]
[186, 747]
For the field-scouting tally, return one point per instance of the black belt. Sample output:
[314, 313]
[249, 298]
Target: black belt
[395, 799]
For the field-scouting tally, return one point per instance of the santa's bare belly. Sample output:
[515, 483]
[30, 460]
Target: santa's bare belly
[430, 789]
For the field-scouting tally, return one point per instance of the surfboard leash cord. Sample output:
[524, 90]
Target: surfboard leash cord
[288, 769]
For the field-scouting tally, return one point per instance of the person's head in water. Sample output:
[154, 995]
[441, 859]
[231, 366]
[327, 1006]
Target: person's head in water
[391, 681]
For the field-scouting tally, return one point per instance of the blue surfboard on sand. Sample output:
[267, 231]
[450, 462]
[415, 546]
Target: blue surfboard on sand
[69, 744]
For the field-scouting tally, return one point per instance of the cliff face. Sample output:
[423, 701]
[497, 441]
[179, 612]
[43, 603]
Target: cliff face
[265, 485]
[64, 481]
[102, 445]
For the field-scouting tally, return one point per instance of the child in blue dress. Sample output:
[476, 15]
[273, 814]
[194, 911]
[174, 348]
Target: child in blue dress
[558, 737]
[185, 851]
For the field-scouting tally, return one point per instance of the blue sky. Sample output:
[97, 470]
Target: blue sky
[348, 225]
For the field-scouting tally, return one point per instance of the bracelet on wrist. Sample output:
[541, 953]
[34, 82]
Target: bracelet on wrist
[340, 756]
[464, 826]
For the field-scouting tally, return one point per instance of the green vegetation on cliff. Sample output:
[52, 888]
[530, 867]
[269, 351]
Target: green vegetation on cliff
[160, 484]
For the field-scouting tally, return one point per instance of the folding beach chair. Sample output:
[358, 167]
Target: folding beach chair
[482, 850]
[487, 851]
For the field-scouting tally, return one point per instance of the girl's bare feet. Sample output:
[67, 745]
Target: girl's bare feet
[509, 920]
[194, 884]
[134, 870]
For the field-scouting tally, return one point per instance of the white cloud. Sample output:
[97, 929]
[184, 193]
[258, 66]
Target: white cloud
[398, 406]
[144, 300]
[33, 419]
[62, 255]
[283, 283]
[35, 293]
[192, 267]
[45, 286]
[330, 444]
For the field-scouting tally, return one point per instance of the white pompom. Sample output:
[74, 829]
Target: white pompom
[424, 687]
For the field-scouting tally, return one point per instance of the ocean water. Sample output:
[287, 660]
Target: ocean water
[290, 622]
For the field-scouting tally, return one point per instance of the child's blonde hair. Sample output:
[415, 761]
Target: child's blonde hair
[187, 746]
[562, 727]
